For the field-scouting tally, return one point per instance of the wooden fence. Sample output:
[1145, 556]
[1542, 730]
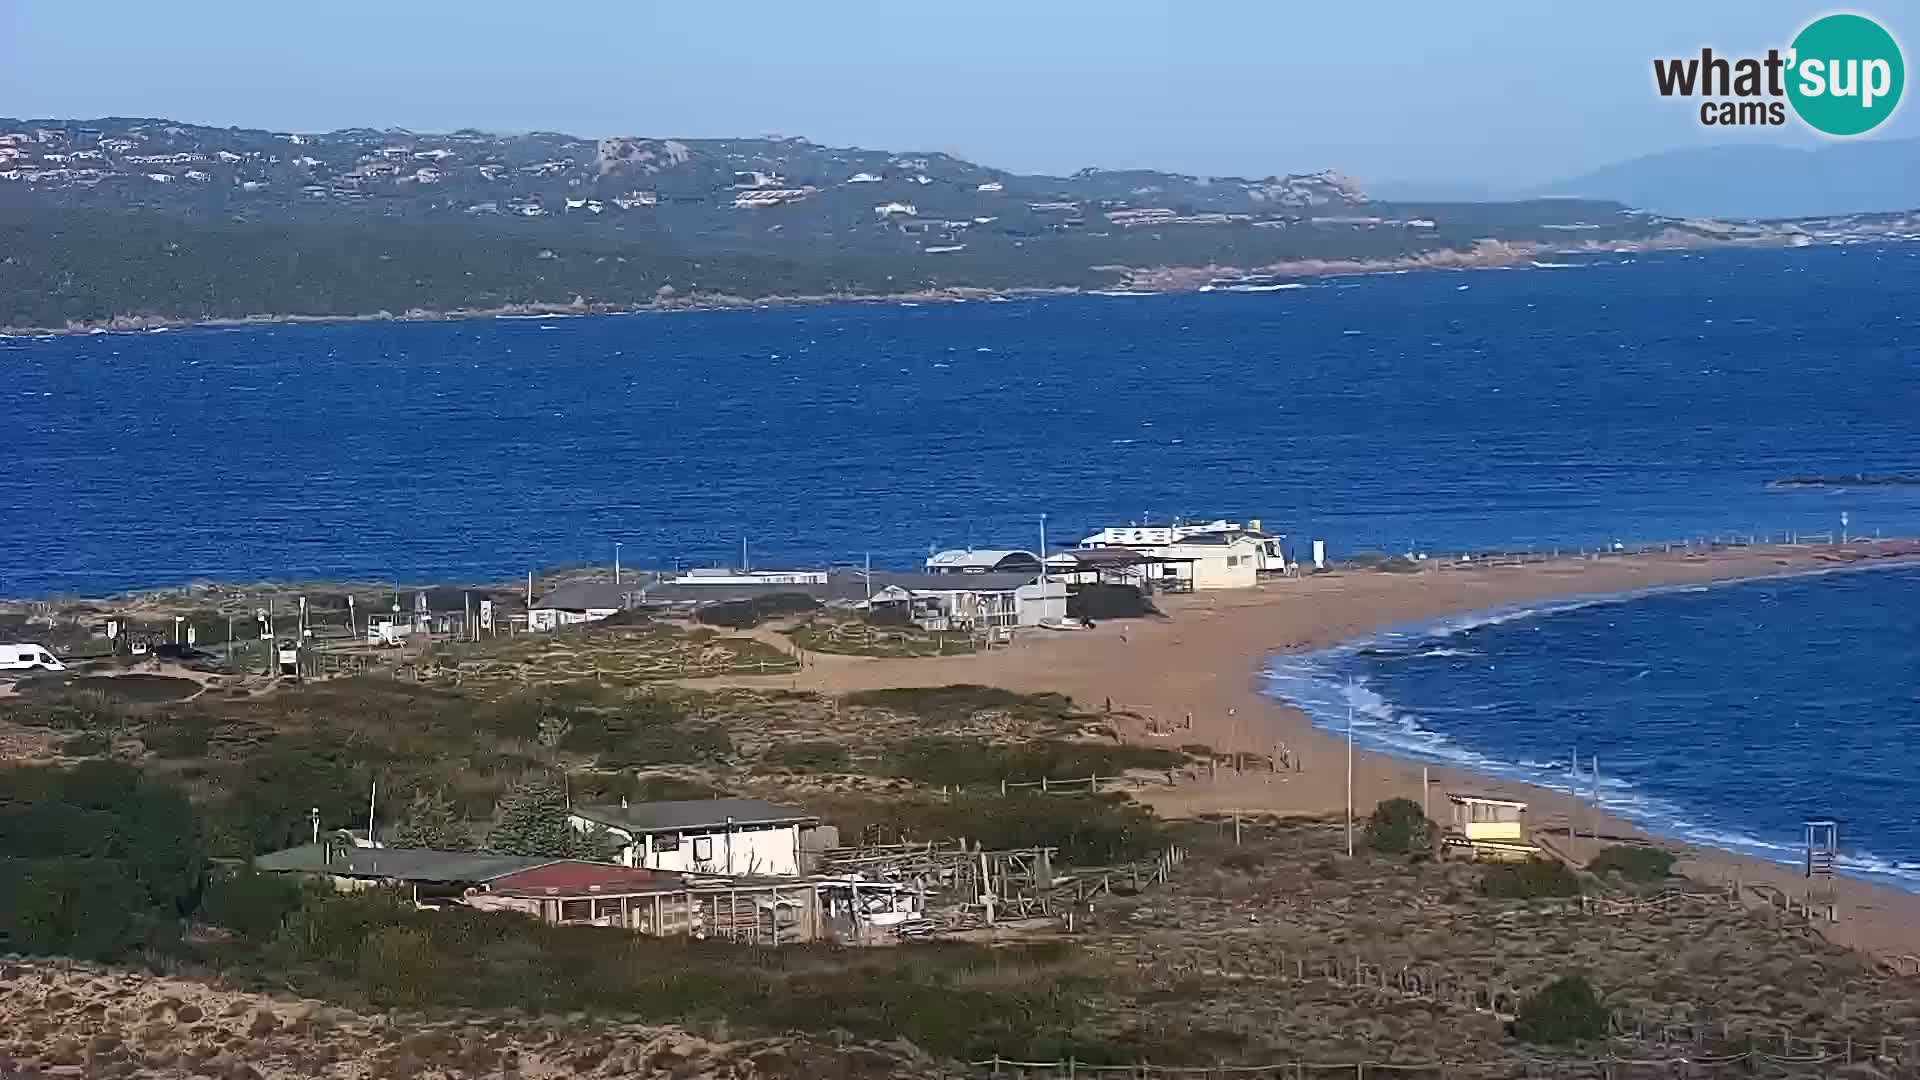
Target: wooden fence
[1751, 1061]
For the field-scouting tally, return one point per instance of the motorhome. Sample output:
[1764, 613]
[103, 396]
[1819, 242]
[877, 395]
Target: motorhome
[28, 658]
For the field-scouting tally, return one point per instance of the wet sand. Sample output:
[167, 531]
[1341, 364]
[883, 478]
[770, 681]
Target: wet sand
[1205, 657]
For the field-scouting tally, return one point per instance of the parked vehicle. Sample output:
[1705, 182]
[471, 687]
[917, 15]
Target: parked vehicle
[385, 630]
[28, 658]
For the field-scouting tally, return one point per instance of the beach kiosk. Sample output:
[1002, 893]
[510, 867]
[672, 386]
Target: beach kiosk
[1483, 828]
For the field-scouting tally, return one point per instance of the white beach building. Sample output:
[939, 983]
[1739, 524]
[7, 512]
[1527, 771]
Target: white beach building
[706, 836]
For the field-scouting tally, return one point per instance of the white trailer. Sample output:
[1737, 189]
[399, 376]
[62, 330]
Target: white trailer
[28, 658]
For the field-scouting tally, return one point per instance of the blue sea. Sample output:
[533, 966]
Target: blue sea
[1727, 715]
[1615, 398]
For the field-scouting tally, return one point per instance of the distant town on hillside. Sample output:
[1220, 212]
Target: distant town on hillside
[122, 221]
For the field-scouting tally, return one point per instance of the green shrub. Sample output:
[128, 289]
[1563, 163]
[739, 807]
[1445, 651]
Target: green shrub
[960, 702]
[1536, 877]
[950, 999]
[1399, 827]
[816, 756]
[741, 614]
[1566, 1011]
[1634, 862]
[250, 904]
[93, 859]
[947, 762]
[1246, 862]
[1087, 830]
[648, 729]
[86, 744]
[73, 907]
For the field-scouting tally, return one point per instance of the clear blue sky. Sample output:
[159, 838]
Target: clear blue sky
[1494, 94]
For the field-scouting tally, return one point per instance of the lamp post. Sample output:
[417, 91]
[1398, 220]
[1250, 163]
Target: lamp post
[616, 562]
[1349, 768]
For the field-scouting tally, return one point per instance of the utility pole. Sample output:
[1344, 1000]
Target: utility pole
[869, 576]
[529, 589]
[1349, 768]
[616, 562]
[1573, 790]
[745, 563]
[1599, 809]
[1043, 572]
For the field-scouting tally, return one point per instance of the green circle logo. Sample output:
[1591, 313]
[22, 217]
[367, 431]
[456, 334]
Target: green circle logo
[1847, 74]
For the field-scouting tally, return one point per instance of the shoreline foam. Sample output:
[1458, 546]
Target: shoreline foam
[1316, 684]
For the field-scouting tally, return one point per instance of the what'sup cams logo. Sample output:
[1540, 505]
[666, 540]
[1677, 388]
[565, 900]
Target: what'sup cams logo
[1842, 76]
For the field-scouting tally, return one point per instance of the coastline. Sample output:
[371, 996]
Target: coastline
[1484, 255]
[1206, 659]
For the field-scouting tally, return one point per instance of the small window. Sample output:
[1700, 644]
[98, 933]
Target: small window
[703, 849]
[666, 842]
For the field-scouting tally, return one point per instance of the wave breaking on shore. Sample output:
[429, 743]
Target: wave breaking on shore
[1333, 687]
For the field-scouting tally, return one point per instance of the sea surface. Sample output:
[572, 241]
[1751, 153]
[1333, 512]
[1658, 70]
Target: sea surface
[1607, 398]
[1727, 715]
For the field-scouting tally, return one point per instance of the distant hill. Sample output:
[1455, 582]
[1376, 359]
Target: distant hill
[1761, 181]
[136, 221]
[121, 163]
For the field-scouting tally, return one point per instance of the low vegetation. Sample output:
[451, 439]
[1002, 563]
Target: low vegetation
[1532, 879]
[1400, 827]
[947, 705]
[742, 614]
[1636, 863]
[936, 761]
[861, 637]
[1566, 1010]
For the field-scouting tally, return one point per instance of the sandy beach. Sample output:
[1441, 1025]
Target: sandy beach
[1204, 659]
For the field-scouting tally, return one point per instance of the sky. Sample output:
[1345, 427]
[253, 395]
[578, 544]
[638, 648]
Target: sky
[1492, 96]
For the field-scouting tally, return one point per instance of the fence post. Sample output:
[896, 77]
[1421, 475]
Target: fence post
[996, 1063]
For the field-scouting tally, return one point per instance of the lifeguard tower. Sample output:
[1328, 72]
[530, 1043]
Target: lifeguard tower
[1483, 828]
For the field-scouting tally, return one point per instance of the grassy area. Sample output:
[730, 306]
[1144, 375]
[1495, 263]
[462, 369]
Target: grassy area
[854, 637]
[954, 704]
[964, 763]
[615, 655]
[952, 1000]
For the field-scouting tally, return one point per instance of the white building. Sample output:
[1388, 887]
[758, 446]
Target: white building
[1269, 554]
[765, 197]
[1218, 560]
[863, 178]
[896, 209]
[703, 836]
[992, 603]
[720, 575]
[580, 602]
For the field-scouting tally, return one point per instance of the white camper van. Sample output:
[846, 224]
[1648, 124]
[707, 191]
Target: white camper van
[28, 658]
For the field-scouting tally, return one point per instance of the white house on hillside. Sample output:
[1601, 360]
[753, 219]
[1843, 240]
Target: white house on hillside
[703, 836]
